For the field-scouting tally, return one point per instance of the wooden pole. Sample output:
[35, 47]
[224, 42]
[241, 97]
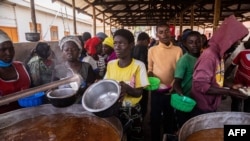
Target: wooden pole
[74, 16]
[217, 5]
[110, 27]
[192, 17]
[33, 16]
[181, 21]
[94, 20]
[103, 16]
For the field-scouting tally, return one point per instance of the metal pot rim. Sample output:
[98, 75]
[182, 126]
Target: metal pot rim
[211, 121]
[62, 97]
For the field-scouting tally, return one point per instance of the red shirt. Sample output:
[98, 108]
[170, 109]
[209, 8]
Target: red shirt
[11, 86]
[242, 75]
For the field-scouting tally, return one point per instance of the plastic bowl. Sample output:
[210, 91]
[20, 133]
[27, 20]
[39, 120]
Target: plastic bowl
[154, 83]
[32, 101]
[182, 103]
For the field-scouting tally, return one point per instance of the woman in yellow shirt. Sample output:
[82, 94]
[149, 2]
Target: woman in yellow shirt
[132, 76]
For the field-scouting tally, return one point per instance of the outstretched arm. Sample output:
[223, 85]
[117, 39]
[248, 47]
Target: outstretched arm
[177, 86]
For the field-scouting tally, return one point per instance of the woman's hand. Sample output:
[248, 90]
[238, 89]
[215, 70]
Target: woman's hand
[124, 87]
[127, 89]
[238, 94]
[237, 86]
[150, 74]
[123, 90]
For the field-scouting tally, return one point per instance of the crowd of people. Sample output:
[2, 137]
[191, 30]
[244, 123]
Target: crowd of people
[193, 67]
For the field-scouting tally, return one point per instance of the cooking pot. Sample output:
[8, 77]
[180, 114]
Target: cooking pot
[32, 36]
[62, 97]
[13, 117]
[211, 121]
[101, 98]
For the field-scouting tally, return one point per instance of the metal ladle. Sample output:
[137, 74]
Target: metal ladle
[28, 92]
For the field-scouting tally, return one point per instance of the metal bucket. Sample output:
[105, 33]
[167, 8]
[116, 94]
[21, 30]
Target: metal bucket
[13, 117]
[211, 121]
[32, 36]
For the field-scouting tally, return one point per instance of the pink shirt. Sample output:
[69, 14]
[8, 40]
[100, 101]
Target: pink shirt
[242, 75]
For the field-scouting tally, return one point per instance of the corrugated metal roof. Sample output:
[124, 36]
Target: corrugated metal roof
[149, 12]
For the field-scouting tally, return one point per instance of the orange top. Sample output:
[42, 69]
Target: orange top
[162, 61]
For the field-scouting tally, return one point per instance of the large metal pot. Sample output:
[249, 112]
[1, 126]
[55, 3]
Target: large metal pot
[211, 121]
[101, 98]
[13, 117]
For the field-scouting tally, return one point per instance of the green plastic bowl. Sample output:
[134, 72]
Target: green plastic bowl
[182, 103]
[154, 83]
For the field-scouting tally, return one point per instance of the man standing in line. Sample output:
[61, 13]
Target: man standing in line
[162, 61]
[208, 77]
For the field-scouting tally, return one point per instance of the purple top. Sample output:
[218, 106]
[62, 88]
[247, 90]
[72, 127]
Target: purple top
[209, 68]
[112, 56]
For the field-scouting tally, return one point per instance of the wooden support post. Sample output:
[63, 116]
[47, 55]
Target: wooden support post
[181, 21]
[33, 16]
[110, 27]
[74, 16]
[217, 12]
[103, 17]
[94, 20]
[192, 17]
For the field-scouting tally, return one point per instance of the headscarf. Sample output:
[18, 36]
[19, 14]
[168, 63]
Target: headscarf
[74, 39]
[4, 37]
[185, 34]
[91, 44]
[43, 50]
[86, 36]
[101, 35]
[109, 42]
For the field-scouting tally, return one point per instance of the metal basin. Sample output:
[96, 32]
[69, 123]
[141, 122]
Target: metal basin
[62, 97]
[101, 98]
[211, 121]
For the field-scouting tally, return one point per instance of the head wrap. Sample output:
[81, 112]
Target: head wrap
[109, 42]
[91, 44]
[86, 36]
[4, 37]
[101, 35]
[185, 34]
[74, 39]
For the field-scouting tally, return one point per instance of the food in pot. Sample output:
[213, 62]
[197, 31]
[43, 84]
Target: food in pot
[61, 127]
[215, 134]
